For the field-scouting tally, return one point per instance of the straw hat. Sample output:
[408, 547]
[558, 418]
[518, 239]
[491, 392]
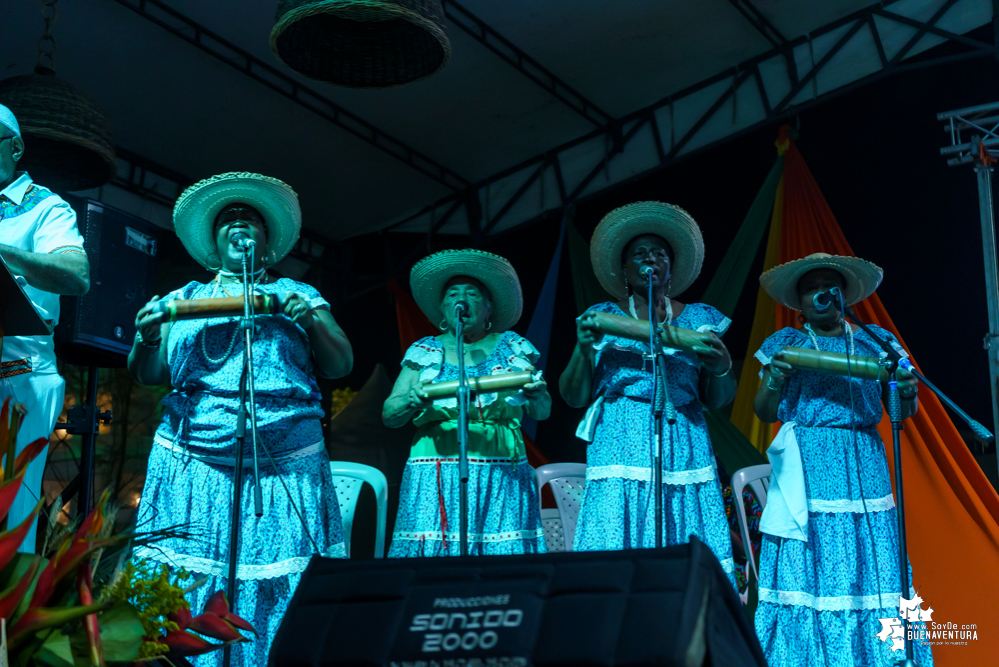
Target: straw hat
[861, 277]
[197, 207]
[621, 225]
[431, 274]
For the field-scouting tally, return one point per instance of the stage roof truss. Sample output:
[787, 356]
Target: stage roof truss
[210, 42]
[518, 130]
[784, 79]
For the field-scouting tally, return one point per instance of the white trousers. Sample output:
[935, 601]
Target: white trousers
[42, 393]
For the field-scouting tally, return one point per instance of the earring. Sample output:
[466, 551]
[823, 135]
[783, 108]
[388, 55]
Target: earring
[212, 260]
[443, 325]
[801, 318]
[489, 325]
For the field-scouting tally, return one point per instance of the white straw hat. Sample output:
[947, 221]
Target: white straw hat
[861, 278]
[621, 225]
[431, 274]
[197, 207]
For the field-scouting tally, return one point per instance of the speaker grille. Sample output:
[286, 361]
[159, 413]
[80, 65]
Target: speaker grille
[122, 251]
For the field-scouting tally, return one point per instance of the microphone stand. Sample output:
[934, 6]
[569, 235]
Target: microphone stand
[894, 360]
[246, 386]
[662, 407]
[463, 396]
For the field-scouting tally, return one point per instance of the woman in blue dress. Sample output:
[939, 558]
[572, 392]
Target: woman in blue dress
[189, 480]
[829, 561]
[611, 375]
[504, 515]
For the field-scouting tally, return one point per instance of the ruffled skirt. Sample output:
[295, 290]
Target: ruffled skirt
[821, 600]
[504, 515]
[618, 510]
[195, 496]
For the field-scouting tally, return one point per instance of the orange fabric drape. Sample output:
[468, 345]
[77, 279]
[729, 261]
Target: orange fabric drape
[952, 511]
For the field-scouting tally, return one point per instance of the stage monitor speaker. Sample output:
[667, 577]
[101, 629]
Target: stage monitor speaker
[98, 328]
[672, 606]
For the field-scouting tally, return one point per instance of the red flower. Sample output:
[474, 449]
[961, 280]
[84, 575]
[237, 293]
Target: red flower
[216, 621]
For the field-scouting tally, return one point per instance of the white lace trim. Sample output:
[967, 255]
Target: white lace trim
[728, 565]
[841, 603]
[680, 478]
[302, 453]
[473, 460]
[509, 536]
[854, 506]
[526, 354]
[243, 572]
[719, 328]
[762, 358]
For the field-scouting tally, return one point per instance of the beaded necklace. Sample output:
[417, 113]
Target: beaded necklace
[815, 338]
[669, 309]
[257, 275]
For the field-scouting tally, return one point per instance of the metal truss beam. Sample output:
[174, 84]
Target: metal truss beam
[770, 32]
[222, 49]
[162, 185]
[525, 64]
[578, 180]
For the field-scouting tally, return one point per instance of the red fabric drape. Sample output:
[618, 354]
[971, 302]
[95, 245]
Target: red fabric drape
[952, 512]
[413, 325]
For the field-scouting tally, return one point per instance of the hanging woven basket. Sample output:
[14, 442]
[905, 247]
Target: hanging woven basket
[361, 43]
[67, 140]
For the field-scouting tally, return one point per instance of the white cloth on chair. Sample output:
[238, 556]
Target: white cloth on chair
[786, 513]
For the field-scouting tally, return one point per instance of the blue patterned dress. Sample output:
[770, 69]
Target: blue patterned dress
[618, 509]
[190, 474]
[819, 599]
[504, 515]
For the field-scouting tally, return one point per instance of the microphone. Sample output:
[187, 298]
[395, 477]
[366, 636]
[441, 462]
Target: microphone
[646, 271]
[460, 308]
[823, 300]
[242, 241]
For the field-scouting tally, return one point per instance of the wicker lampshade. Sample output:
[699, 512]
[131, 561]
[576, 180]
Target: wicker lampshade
[67, 140]
[361, 43]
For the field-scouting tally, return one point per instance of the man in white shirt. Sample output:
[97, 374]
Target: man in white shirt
[41, 244]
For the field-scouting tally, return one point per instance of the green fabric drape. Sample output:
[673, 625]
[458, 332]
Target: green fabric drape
[733, 449]
[726, 286]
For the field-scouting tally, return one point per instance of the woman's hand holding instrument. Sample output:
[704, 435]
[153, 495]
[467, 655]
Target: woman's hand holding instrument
[485, 384]
[193, 309]
[633, 329]
[833, 363]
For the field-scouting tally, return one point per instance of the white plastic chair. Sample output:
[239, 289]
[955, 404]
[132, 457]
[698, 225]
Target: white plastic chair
[551, 523]
[348, 478]
[758, 479]
[568, 482]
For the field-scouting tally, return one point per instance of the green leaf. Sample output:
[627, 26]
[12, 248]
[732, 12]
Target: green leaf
[121, 633]
[15, 570]
[55, 652]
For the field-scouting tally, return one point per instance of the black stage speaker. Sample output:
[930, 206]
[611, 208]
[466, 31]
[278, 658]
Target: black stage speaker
[97, 329]
[670, 606]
